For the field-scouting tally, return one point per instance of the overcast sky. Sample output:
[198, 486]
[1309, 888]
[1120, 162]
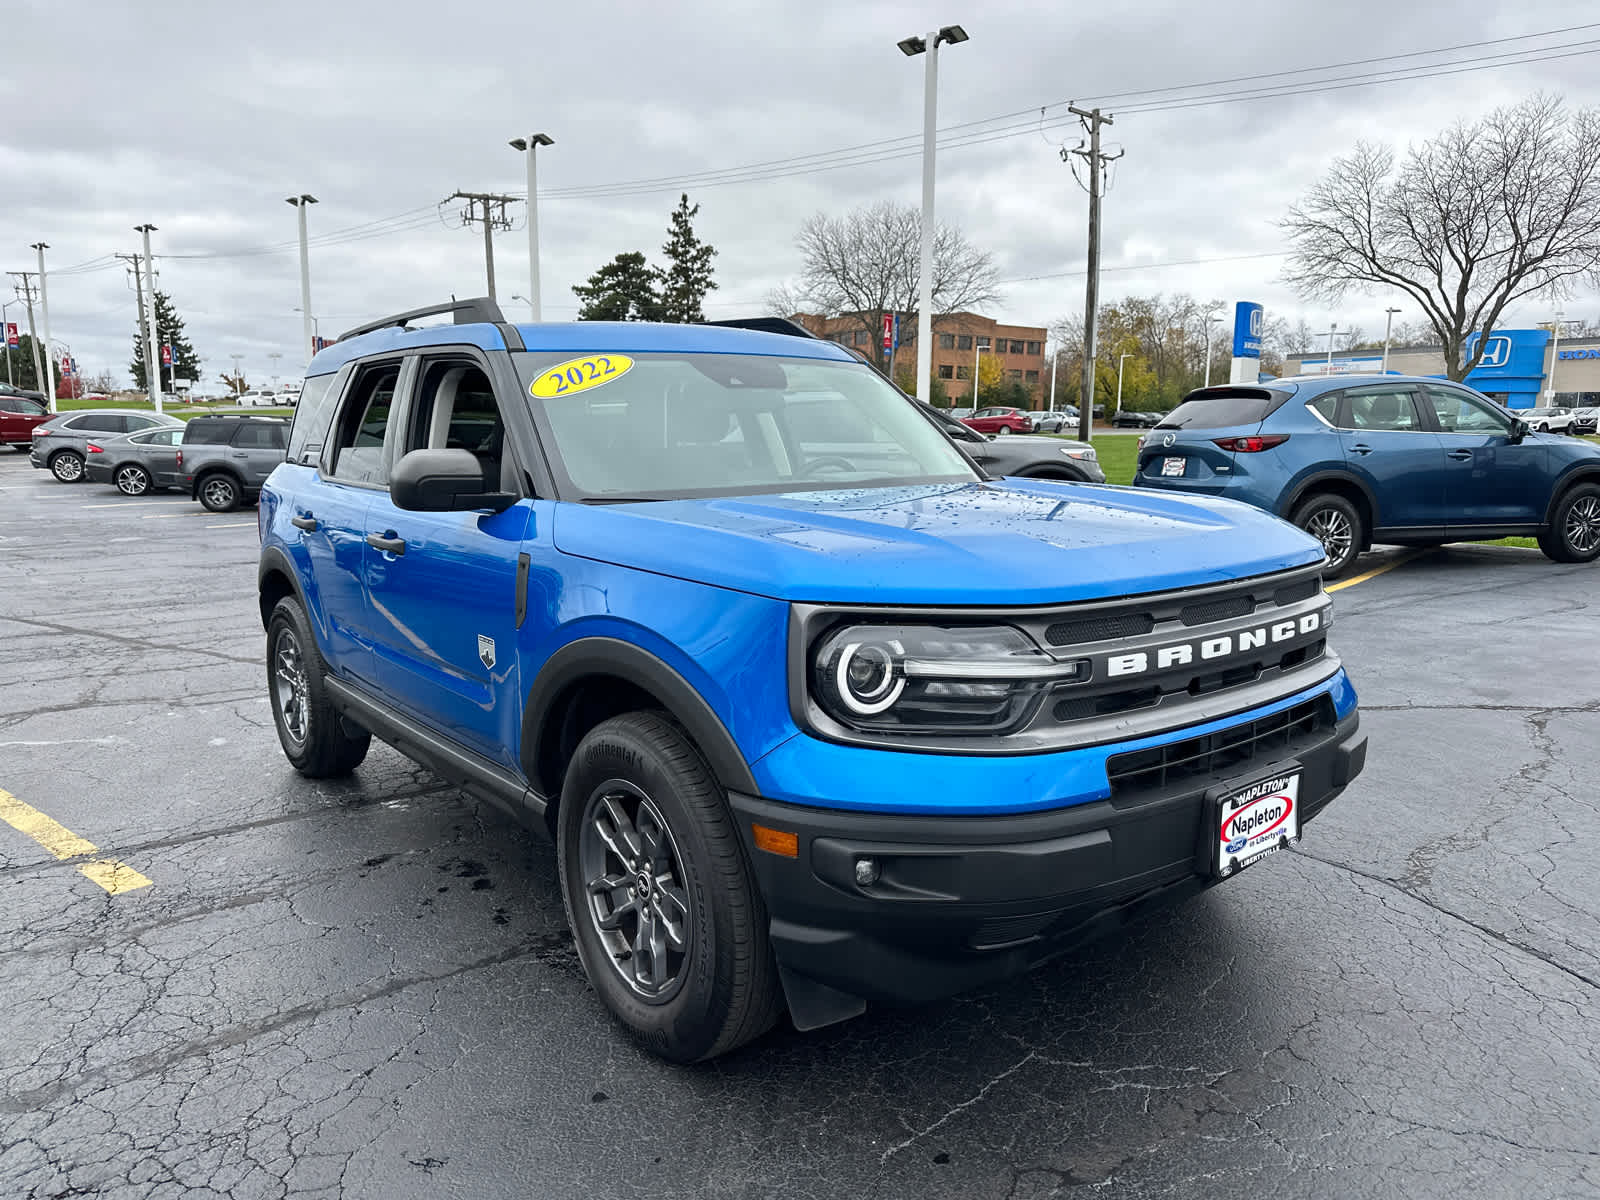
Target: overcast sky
[201, 117]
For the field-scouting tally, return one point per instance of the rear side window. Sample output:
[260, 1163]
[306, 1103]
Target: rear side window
[207, 433]
[312, 415]
[1382, 408]
[1218, 409]
[158, 437]
[254, 436]
[1326, 406]
[100, 423]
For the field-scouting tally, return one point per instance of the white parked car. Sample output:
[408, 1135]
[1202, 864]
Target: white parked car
[1547, 420]
[255, 399]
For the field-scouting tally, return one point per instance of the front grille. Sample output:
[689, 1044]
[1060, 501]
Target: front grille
[1099, 629]
[1226, 752]
[1297, 592]
[1217, 610]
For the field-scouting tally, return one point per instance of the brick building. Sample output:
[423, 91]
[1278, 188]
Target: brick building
[958, 340]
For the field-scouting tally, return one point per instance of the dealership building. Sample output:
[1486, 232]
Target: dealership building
[1518, 368]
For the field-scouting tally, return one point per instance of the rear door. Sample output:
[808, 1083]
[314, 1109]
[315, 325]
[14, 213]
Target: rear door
[158, 451]
[1490, 481]
[1391, 447]
[256, 449]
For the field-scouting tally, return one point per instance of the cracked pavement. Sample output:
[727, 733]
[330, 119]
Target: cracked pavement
[366, 987]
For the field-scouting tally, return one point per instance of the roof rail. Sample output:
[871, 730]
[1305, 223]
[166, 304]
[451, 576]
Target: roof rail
[467, 312]
[768, 325]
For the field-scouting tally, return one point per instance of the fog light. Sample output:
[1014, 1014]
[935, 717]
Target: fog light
[867, 871]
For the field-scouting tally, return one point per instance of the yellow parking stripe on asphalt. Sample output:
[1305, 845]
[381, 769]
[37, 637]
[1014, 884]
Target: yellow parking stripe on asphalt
[1376, 571]
[60, 841]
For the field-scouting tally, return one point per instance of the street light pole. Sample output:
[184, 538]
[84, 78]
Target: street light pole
[1388, 326]
[1211, 319]
[5, 335]
[930, 90]
[300, 203]
[1122, 359]
[44, 309]
[1053, 359]
[1555, 353]
[977, 349]
[152, 361]
[530, 146]
[238, 374]
[1332, 325]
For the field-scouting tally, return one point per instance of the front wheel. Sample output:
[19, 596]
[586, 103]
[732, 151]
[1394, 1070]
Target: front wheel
[1574, 532]
[132, 480]
[67, 466]
[314, 737]
[1334, 522]
[219, 494]
[666, 917]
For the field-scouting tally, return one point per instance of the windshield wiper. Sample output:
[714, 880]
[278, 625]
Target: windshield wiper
[621, 500]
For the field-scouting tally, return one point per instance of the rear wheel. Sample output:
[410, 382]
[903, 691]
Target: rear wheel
[1002, 431]
[132, 480]
[1574, 532]
[67, 466]
[218, 493]
[1334, 522]
[314, 737]
[666, 917]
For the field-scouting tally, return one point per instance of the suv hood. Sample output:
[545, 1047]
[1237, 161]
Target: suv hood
[1015, 542]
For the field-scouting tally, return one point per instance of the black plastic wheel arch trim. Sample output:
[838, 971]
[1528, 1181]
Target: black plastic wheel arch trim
[610, 656]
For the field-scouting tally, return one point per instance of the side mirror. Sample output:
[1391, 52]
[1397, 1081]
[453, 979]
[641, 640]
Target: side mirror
[443, 481]
[1519, 430]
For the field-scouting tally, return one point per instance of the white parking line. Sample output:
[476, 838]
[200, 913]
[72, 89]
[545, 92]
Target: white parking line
[122, 504]
[169, 516]
[233, 525]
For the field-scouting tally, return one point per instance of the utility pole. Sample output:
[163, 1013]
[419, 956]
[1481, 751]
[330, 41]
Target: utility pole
[25, 294]
[44, 312]
[152, 361]
[134, 262]
[1092, 120]
[493, 215]
[300, 202]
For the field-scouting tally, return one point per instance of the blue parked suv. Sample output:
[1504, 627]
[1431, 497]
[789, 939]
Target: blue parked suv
[817, 713]
[1359, 459]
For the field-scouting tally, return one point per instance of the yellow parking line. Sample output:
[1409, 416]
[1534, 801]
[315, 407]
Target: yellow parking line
[60, 841]
[1376, 571]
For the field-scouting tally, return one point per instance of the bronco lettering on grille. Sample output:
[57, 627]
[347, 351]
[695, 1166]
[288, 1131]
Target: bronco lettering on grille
[1210, 649]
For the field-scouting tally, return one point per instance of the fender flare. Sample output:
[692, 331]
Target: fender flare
[1310, 483]
[216, 469]
[623, 660]
[1584, 472]
[274, 561]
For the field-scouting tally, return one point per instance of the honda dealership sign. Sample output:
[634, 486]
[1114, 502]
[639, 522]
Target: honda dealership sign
[1247, 323]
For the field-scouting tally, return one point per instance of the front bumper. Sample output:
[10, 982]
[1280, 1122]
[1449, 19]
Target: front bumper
[962, 901]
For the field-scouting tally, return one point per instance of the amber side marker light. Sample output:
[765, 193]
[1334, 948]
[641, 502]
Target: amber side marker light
[774, 841]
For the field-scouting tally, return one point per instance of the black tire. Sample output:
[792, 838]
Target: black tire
[722, 990]
[1573, 535]
[67, 466]
[132, 479]
[1336, 523]
[217, 493]
[314, 737]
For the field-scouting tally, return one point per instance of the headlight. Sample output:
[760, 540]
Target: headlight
[1086, 453]
[933, 679]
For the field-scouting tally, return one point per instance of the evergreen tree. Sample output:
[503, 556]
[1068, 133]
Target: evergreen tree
[687, 278]
[22, 366]
[169, 332]
[625, 289]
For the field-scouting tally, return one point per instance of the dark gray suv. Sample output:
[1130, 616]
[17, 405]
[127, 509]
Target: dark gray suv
[224, 460]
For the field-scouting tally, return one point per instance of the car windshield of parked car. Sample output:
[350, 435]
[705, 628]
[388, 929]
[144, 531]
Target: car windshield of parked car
[664, 426]
[1217, 410]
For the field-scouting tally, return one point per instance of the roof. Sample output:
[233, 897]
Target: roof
[583, 337]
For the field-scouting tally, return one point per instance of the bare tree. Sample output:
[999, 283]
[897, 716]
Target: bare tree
[867, 263]
[1487, 213]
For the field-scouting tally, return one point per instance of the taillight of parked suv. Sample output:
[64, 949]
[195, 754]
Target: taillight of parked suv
[1247, 445]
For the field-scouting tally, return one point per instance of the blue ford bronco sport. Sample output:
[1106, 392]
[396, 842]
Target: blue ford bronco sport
[817, 714]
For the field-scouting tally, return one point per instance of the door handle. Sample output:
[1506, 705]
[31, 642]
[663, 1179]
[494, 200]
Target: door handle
[388, 544]
[1460, 455]
[307, 522]
[1361, 448]
[238, 454]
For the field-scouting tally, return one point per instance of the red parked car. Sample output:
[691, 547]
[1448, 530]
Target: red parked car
[1000, 420]
[19, 413]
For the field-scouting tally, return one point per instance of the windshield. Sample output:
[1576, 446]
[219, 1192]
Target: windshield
[663, 426]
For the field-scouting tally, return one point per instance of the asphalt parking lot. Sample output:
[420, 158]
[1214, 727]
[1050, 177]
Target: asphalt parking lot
[252, 985]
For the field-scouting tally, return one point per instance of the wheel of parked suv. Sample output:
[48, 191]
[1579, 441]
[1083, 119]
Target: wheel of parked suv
[1334, 522]
[67, 466]
[132, 480]
[1573, 535]
[314, 736]
[665, 914]
[219, 494]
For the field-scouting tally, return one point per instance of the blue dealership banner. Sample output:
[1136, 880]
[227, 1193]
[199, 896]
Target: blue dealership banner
[1247, 320]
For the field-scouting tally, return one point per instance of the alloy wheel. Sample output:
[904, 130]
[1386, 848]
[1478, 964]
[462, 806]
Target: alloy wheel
[1330, 527]
[132, 481]
[633, 877]
[1582, 526]
[218, 494]
[289, 682]
[68, 468]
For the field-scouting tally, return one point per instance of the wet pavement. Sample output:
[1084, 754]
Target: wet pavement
[366, 988]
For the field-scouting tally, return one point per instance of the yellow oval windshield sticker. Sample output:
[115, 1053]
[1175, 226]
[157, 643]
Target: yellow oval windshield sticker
[579, 375]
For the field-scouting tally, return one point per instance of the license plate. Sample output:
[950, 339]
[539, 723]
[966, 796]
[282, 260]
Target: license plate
[1254, 821]
[1173, 466]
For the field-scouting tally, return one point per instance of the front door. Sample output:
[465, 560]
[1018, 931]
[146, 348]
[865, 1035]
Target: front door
[160, 455]
[443, 587]
[1491, 481]
[1389, 446]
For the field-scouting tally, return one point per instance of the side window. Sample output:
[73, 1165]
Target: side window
[309, 428]
[9, 405]
[456, 410]
[253, 435]
[206, 433]
[1381, 408]
[363, 422]
[1326, 406]
[1459, 412]
[136, 422]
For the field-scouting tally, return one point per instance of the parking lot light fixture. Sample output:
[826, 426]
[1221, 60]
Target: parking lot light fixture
[530, 145]
[977, 349]
[1120, 361]
[1211, 320]
[1388, 325]
[1332, 327]
[301, 202]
